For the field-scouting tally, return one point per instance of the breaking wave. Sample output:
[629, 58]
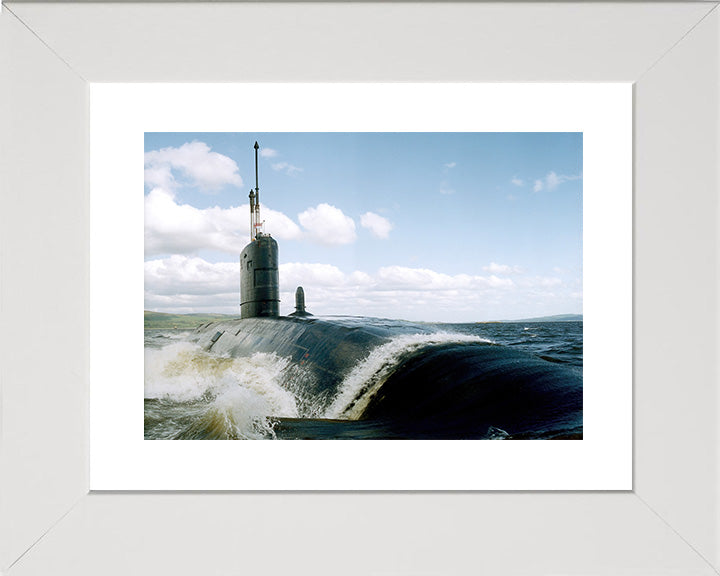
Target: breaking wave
[363, 382]
[238, 395]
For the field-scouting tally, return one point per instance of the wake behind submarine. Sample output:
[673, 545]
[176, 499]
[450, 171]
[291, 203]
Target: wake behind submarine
[423, 384]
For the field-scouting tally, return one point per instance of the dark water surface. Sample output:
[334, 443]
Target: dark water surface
[193, 394]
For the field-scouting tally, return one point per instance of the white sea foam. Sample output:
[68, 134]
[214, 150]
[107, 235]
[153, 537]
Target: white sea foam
[244, 391]
[495, 433]
[361, 384]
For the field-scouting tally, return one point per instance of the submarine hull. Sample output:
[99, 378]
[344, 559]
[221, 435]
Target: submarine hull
[371, 378]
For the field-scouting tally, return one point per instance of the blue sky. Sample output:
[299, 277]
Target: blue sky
[460, 227]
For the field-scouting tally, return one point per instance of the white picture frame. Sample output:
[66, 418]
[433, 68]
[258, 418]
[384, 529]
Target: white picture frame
[668, 523]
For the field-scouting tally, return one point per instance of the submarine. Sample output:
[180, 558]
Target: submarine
[357, 377]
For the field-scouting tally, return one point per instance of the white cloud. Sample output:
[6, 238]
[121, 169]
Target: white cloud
[186, 284]
[361, 279]
[450, 165]
[193, 161]
[379, 227]
[268, 153]
[392, 291]
[495, 268]
[328, 225]
[402, 278]
[553, 180]
[190, 276]
[517, 181]
[295, 274]
[159, 176]
[190, 303]
[172, 228]
[181, 285]
[288, 169]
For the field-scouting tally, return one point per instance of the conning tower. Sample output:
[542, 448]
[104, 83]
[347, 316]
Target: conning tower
[259, 278]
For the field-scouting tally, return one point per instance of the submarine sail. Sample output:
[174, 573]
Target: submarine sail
[259, 277]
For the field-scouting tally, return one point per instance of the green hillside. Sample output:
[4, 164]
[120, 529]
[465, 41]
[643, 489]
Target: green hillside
[161, 321]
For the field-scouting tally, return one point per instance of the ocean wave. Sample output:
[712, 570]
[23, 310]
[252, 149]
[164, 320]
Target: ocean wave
[362, 383]
[238, 395]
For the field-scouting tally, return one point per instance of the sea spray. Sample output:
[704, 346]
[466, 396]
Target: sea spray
[236, 395]
[363, 382]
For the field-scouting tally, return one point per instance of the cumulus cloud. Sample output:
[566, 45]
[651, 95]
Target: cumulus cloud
[172, 228]
[159, 175]
[194, 163]
[553, 180]
[403, 278]
[295, 274]
[328, 225]
[190, 276]
[182, 284]
[189, 283]
[517, 181]
[268, 153]
[379, 227]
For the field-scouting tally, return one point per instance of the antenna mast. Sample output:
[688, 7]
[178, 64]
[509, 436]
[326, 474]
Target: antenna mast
[258, 222]
[252, 215]
[255, 222]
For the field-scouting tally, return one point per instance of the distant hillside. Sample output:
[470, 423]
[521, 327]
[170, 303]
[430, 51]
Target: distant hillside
[556, 318]
[161, 321]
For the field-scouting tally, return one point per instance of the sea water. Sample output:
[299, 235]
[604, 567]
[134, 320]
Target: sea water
[194, 394]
